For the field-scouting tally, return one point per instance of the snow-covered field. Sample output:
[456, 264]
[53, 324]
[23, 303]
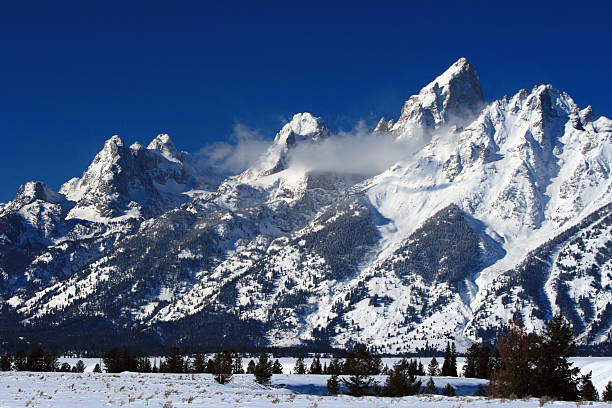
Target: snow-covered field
[26, 389]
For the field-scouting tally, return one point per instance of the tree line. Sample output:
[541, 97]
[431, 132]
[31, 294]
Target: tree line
[521, 364]
[38, 361]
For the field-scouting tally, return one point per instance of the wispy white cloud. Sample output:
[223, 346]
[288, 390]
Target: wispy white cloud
[242, 150]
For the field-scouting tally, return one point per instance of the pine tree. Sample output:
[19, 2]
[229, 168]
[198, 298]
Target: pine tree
[446, 364]
[402, 380]
[553, 374]
[65, 368]
[299, 368]
[335, 366]
[238, 369]
[79, 367]
[174, 361]
[607, 393]
[333, 385]
[421, 369]
[199, 363]
[6, 362]
[277, 368]
[361, 365]
[97, 368]
[315, 366]
[448, 391]
[483, 368]
[587, 391]
[36, 360]
[430, 387]
[223, 364]
[433, 369]
[20, 360]
[515, 349]
[118, 360]
[144, 365]
[263, 370]
[251, 367]
[453, 361]
[471, 361]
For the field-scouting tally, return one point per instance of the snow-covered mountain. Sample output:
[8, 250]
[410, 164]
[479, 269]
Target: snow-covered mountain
[495, 210]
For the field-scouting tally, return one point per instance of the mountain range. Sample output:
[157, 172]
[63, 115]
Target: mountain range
[482, 212]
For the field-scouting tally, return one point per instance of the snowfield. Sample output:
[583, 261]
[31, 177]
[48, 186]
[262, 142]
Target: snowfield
[27, 389]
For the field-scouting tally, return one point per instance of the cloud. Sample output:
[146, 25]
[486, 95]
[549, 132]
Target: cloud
[243, 150]
[354, 152]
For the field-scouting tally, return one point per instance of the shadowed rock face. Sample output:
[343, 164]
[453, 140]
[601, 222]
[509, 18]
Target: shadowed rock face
[454, 97]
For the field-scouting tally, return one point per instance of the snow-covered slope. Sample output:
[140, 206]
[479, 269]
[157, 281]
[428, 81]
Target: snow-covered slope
[495, 210]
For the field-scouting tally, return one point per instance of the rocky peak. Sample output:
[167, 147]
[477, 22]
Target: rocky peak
[303, 126]
[33, 191]
[163, 144]
[383, 125]
[455, 97]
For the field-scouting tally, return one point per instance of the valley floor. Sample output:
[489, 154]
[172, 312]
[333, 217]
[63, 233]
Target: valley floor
[27, 389]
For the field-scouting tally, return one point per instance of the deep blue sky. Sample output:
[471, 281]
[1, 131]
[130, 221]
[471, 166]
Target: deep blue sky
[72, 75]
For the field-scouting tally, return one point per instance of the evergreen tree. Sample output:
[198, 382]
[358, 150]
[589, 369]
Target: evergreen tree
[453, 361]
[448, 391]
[299, 368]
[174, 361]
[79, 367]
[607, 393]
[587, 391]
[277, 368]
[65, 368]
[361, 365]
[433, 369]
[515, 349]
[21, 360]
[553, 374]
[223, 364]
[263, 370]
[421, 369]
[402, 380]
[238, 369]
[446, 364]
[315, 366]
[335, 366]
[6, 362]
[483, 368]
[333, 385]
[413, 367]
[51, 361]
[97, 368]
[471, 361]
[251, 367]
[362, 362]
[199, 363]
[430, 387]
[118, 360]
[36, 360]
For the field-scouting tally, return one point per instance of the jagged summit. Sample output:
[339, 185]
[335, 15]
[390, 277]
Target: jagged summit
[36, 190]
[163, 144]
[454, 98]
[302, 126]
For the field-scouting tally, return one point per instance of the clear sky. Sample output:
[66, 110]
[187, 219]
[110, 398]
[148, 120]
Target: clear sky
[74, 74]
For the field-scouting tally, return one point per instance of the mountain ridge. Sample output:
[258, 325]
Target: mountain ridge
[437, 247]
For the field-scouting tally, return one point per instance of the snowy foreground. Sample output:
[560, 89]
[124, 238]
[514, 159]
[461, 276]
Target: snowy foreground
[26, 389]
